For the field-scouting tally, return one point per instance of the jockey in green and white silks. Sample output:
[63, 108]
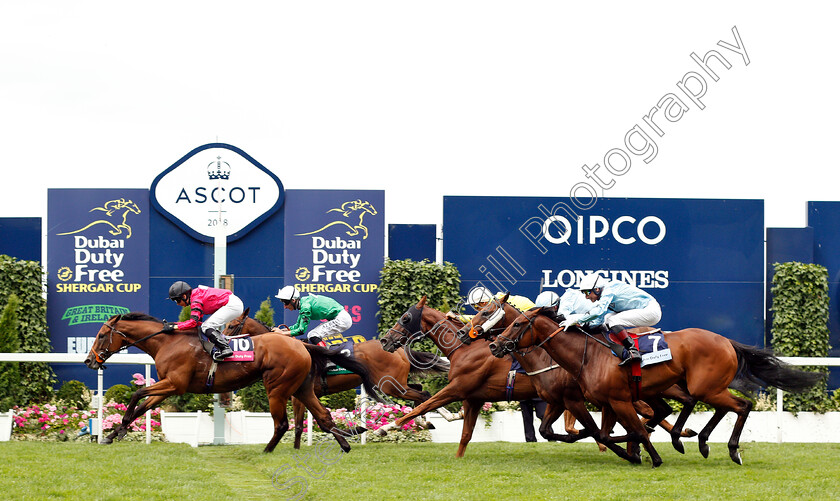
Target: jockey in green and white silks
[618, 305]
[314, 307]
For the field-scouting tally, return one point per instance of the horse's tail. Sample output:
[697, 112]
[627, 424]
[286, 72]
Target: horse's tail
[425, 363]
[321, 355]
[761, 367]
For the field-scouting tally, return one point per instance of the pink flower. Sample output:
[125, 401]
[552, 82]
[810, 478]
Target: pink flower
[487, 406]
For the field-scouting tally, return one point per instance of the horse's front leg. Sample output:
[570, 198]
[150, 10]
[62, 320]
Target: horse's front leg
[450, 393]
[153, 394]
[471, 409]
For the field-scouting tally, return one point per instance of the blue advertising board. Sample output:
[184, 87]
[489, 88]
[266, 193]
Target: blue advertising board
[702, 259]
[824, 218]
[20, 237]
[97, 264]
[334, 246]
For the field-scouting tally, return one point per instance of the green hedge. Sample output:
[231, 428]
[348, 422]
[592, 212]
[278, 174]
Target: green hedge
[404, 282]
[24, 280]
[800, 326]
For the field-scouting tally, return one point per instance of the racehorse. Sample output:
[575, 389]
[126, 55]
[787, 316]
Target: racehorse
[703, 362]
[498, 314]
[183, 366]
[388, 370]
[475, 377]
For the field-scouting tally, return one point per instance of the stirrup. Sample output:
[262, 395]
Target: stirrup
[222, 354]
[632, 355]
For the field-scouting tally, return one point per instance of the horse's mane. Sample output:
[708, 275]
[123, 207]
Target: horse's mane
[136, 315]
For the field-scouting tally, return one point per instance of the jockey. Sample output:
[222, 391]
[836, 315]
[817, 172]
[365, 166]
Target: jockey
[314, 307]
[479, 297]
[570, 303]
[221, 304]
[618, 305]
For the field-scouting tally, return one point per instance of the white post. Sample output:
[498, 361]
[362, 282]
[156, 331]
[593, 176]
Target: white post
[779, 415]
[219, 269]
[148, 411]
[197, 427]
[99, 383]
[309, 431]
[363, 413]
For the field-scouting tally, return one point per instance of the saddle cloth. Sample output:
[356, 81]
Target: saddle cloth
[242, 346]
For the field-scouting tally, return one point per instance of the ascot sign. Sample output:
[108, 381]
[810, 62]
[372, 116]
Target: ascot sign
[217, 189]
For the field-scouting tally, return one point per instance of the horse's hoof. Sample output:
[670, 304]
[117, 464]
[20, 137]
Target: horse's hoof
[106, 441]
[678, 446]
[688, 432]
[429, 425]
[704, 450]
[657, 463]
[345, 447]
[736, 456]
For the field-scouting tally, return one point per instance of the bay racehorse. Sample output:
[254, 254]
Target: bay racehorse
[498, 314]
[389, 371]
[284, 364]
[703, 362]
[476, 377]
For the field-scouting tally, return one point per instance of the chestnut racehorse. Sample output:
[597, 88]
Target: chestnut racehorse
[388, 370]
[284, 364]
[703, 362]
[476, 377]
[498, 314]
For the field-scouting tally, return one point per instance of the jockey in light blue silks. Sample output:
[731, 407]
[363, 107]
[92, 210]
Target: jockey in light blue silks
[618, 306]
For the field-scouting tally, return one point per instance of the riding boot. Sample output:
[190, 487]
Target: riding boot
[215, 337]
[316, 340]
[632, 353]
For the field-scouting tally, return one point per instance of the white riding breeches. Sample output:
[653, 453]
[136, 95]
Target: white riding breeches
[223, 315]
[650, 315]
[339, 324]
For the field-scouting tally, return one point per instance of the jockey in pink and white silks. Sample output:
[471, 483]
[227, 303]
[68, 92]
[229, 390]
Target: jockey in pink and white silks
[619, 306]
[221, 304]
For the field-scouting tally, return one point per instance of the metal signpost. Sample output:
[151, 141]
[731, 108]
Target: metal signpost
[217, 193]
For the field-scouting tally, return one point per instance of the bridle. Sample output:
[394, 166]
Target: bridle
[103, 355]
[509, 345]
[467, 336]
[412, 328]
[411, 323]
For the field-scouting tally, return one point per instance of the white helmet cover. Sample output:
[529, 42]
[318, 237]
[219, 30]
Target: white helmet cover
[547, 298]
[592, 281]
[479, 295]
[288, 293]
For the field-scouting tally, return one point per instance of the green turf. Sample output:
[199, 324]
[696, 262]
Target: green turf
[490, 471]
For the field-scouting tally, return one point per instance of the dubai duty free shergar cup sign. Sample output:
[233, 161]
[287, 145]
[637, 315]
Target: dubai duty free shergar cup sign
[217, 189]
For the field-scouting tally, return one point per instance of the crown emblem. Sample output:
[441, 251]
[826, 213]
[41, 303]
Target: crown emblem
[218, 169]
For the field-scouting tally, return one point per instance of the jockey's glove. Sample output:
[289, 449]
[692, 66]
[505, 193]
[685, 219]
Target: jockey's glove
[570, 321]
[169, 327]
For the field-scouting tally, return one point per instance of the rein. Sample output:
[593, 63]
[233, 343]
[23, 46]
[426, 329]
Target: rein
[103, 355]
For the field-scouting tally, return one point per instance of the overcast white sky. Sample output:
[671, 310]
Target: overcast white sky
[421, 99]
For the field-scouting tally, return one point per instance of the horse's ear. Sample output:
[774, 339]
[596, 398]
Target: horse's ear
[246, 312]
[507, 295]
[422, 302]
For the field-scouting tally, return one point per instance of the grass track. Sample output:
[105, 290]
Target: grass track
[490, 471]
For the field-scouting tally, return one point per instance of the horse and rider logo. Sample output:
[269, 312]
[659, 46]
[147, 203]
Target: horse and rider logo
[116, 211]
[352, 214]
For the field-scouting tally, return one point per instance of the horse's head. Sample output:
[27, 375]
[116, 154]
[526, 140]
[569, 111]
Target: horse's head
[519, 334]
[408, 327]
[240, 325]
[105, 344]
[487, 317]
